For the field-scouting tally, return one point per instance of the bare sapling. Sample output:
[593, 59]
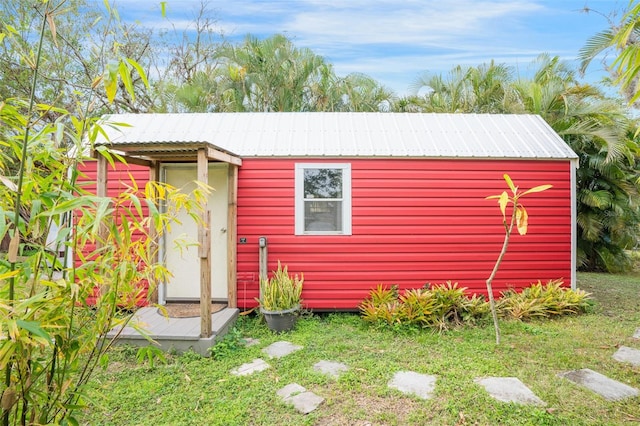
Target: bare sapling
[520, 219]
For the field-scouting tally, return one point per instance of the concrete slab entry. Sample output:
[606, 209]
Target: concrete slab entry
[251, 367]
[330, 368]
[636, 335]
[412, 383]
[627, 354]
[609, 389]
[509, 389]
[302, 400]
[280, 349]
[178, 334]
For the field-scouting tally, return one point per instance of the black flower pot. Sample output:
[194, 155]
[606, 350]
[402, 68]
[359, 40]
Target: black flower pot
[281, 321]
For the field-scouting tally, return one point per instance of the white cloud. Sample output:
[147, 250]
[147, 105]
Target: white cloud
[395, 41]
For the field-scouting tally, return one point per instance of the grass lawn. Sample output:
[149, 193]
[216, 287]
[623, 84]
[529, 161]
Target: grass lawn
[193, 390]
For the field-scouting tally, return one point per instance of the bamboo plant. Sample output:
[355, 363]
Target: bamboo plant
[282, 291]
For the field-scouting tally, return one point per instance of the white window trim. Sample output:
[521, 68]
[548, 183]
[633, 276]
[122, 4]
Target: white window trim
[346, 197]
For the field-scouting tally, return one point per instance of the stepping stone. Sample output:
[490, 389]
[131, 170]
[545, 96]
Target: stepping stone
[627, 354]
[636, 335]
[250, 368]
[509, 389]
[609, 389]
[412, 383]
[280, 349]
[301, 399]
[329, 368]
[249, 341]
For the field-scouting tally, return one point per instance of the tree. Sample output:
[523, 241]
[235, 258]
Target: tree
[88, 44]
[482, 89]
[359, 93]
[520, 218]
[271, 74]
[624, 38]
[274, 75]
[598, 129]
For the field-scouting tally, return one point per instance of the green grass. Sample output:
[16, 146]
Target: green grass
[193, 390]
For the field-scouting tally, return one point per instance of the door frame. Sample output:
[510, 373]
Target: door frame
[231, 246]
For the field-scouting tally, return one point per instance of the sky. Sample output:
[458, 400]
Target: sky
[398, 41]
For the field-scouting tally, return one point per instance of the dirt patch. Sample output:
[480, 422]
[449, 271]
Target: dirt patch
[188, 310]
[357, 409]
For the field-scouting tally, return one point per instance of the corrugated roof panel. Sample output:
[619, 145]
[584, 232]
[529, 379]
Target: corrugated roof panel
[347, 134]
[503, 139]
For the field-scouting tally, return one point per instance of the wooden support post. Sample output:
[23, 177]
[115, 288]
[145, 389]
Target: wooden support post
[262, 261]
[204, 251]
[232, 236]
[101, 191]
[154, 244]
[205, 287]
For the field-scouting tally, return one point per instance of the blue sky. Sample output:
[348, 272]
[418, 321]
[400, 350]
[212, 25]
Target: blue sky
[396, 41]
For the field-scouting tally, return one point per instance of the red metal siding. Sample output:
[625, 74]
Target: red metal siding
[119, 178]
[414, 221]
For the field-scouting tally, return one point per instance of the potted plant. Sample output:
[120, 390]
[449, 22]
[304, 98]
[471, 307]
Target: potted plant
[280, 299]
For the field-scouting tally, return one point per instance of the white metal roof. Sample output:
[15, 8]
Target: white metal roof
[326, 134]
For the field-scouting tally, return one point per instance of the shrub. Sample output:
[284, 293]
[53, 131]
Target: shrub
[451, 303]
[231, 343]
[476, 310]
[442, 306]
[417, 306]
[439, 306]
[543, 301]
[382, 306]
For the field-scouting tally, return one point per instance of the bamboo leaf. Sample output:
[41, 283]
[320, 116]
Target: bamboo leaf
[8, 183]
[135, 201]
[3, 224]
[111, 81]
[96, 81]
[140, 71]
[14, 245]
[12, 329]
[6, 352]
[34, 328]
[9, 274]
[125, 76]
[52, 27]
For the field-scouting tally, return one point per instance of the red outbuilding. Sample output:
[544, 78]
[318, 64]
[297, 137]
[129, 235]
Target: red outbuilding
[352, 200]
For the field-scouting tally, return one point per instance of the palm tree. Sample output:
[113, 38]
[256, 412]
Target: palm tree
[271, 74]
[623, 37]
[359, 92]
[482, 89]
[598, 130]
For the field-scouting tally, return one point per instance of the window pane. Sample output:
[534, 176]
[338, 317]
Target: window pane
[323, 183]
[323, 215]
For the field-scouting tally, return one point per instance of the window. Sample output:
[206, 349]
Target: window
[323, 199]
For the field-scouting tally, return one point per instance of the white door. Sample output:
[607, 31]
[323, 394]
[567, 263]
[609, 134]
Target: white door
[184, 263]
